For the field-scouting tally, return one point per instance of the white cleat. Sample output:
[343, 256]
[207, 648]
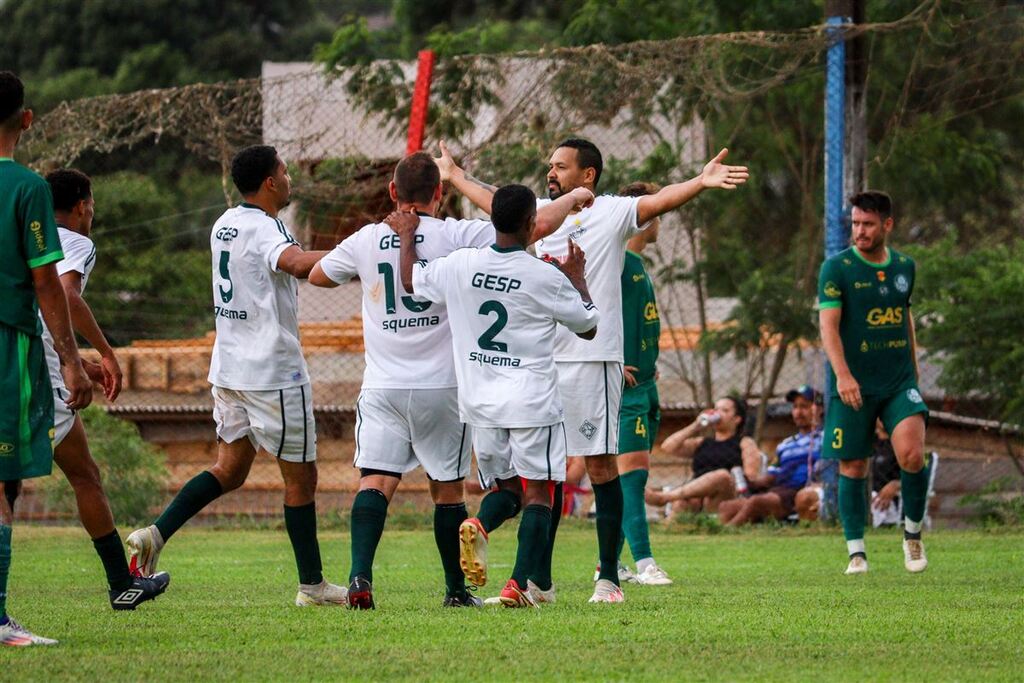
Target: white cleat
[914, 558]
[539, 596]
[322, 593]
[15, 635]
[145, 546]
[653, 576]
[626, 575]
[606, 591]
[858, 565]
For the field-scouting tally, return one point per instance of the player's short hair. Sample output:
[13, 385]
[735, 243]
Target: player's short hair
[252, 166]
[416, 178]
[68, 186]
[873, 200]
[587, 155]
[511, 208]
[639, 189]
[12, 98]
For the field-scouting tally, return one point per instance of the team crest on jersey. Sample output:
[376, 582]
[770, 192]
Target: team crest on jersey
[914, 396]
[588, 429]
[832, 290]
[902, 284]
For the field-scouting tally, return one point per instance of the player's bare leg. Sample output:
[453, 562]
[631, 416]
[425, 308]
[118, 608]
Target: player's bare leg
[75, 461]
[908, 444]
[234, 460]
[449, 514]
[369, 512]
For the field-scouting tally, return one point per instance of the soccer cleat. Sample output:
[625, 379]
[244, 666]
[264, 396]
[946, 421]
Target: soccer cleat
[914, 558]
[145, 546]
[473, 551]
[322, 593]
[626, 575]
[606, 591]
[514, 596]
[858, 565]
[14, 634]
[464, 600]
[143, 588]
[360, 594]
[540, 596]
[653, 576]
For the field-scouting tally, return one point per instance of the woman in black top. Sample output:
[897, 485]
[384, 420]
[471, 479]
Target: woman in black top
[722, 447]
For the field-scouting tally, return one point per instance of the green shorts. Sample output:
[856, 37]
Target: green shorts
[850, 434]
[26, 407]
[639, 417]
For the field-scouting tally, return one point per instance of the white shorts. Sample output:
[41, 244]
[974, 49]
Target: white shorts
[591, 392]
[63, 417]
[280, 421]
[400, 429]
[536, 453]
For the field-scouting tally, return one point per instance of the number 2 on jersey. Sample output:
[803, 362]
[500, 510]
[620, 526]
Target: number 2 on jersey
[486, 340]
[390, 307]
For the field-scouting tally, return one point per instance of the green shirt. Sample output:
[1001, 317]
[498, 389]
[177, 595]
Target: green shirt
[641, 325]
[874, 327]
[28, 239]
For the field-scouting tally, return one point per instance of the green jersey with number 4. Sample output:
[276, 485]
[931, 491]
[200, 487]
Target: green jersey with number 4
[641, 324]
[875, 322]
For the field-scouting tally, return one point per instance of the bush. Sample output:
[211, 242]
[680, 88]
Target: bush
[1001, 503]
[133, 471]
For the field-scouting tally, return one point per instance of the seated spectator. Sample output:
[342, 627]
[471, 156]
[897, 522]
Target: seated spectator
[714, 456]
[775, 492]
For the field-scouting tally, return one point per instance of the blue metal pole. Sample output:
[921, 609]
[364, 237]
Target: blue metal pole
[836, 228]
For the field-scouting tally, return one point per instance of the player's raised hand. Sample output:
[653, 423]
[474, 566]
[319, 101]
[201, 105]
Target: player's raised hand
[717, 174]
[574, 264]
[403, 222]
[582, 198]
[445, 163]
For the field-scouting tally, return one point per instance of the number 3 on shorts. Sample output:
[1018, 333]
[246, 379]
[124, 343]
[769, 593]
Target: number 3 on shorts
[837, 441]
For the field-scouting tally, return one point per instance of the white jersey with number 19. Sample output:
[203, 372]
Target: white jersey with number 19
[255, 304]
[504, 307]
[408, 342]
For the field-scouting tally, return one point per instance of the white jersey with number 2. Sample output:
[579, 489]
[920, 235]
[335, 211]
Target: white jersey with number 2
[504, 307]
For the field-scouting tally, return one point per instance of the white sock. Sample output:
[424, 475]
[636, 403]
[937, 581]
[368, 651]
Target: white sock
[642, 565]
[856, 546]
[912, 527]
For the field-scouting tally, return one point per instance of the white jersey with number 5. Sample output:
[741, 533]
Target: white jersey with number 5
[504, 307]
[255, 304]
[602, 231]
[408, 342]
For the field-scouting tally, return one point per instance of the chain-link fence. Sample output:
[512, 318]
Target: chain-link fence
[735, 285]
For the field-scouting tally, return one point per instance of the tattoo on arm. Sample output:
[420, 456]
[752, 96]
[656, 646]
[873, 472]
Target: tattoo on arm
[487, 186]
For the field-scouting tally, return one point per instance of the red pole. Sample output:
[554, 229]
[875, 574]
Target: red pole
[420, 101]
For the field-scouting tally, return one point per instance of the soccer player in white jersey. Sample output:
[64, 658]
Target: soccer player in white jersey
[590, 373]
[504, 306]
[262, 399]
[74, 208]
[407, 412]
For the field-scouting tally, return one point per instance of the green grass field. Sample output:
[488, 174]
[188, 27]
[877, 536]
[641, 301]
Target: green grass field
[758, 605]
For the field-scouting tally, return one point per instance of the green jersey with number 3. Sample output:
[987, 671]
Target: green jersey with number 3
[875, 322]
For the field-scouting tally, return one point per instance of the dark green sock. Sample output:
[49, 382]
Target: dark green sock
[853, 506]
[200, 491]
[300, 521]
[914, 489]
[5, 566]
[542, 569]
[608, 499]
[496, 507]
[111, 553]
[369, 511]
[534, 528]
[634, 514]
[447, 519]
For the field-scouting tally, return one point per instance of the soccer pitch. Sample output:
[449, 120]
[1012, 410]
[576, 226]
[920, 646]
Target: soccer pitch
[756, 605]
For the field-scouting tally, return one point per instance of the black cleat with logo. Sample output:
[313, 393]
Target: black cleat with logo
[143, 588]
[464, 600]
[360, 594]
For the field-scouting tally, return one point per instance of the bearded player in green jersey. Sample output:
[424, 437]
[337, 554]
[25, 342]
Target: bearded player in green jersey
[868, 333]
